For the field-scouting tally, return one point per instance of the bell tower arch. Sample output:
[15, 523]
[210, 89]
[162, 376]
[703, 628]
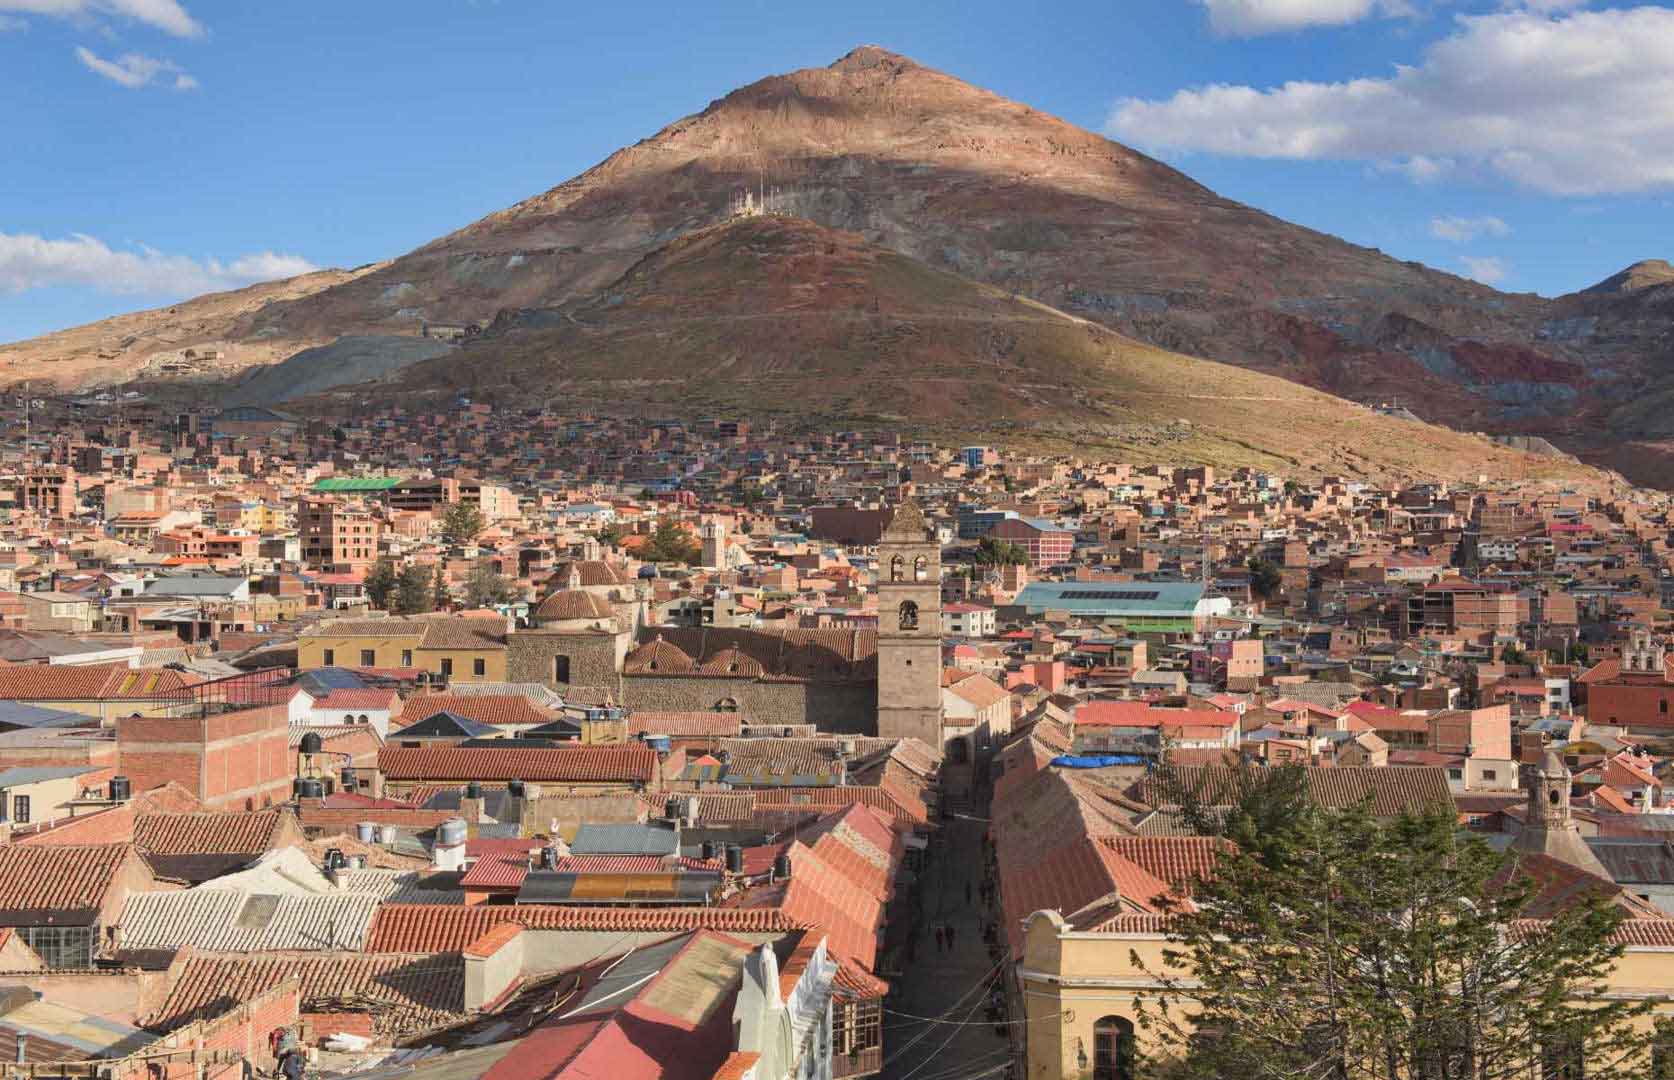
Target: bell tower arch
[910, 629]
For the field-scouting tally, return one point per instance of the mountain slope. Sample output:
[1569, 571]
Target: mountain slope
[154, 344]
[777, 317]
[966, 181]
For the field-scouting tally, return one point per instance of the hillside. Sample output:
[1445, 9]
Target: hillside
[154, 344]
[776, 317]
[963, 180]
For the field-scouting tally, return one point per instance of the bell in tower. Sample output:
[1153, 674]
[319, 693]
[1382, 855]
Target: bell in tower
[909, 629]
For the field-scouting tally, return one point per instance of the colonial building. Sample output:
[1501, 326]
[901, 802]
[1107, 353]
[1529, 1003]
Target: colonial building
[909, 629]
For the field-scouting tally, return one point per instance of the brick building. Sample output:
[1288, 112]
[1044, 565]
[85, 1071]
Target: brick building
[229, 761]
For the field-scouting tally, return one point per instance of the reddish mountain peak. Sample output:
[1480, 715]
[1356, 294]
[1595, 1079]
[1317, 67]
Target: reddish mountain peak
[872, 58]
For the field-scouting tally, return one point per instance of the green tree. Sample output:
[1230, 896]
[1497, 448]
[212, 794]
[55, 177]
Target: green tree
[413, 594]
[462, 522]
[992, 552]
[441, 597]
[1264, 578]
[671, 543]
[1339, 946]
[610, 536]
[1513, 653]
[380, 583]
[486, 587]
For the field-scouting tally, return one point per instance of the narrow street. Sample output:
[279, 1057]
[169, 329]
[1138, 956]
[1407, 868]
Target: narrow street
[936, 1022]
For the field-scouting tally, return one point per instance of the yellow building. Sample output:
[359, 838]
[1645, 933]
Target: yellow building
[1085, 899]
[457, 648]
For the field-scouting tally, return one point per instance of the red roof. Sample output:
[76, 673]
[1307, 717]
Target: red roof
[589, 764]
[406, 928]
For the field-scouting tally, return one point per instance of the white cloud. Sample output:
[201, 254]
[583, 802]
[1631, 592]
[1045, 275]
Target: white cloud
[1488, 269]
[32, 262]
[135, 70]
[165, 15]
[1462, 230]
[1249, 18]
[1578, 104]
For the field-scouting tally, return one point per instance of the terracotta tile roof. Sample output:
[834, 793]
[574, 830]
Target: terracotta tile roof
[403, 993]
[484, 708]
[1177, 860]
[91, 682]
[1391, 790]
[569, 604]
[658, 657]
[210, 833]
[433, 631]
[684, 724]
[69, 882]
[903, 805]
[497, 938]
[831, 655]
[365, 698]
[433, 928]
[821, 896]
[591, 764]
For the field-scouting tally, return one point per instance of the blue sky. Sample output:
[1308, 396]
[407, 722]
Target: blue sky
[160, 148]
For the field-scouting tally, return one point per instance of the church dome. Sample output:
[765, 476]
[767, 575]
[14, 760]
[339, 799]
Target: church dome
[573, 605]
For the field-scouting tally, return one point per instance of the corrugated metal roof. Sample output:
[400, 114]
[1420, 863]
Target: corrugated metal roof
[226, 921]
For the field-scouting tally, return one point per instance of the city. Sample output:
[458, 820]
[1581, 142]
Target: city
[1117, 542]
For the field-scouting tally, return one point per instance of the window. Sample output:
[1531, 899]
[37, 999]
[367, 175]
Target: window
[727, 704]
[908, 616]
[406, 658]
[479, 667]
[60, 946]
[1490, 774]
[368, 658]
[20, 809]
[447, 667]
[330, 658]
[561, 669]
[1113, 1048]
[363, 718]
[895, 566]
[1455, 774]
[921, 568]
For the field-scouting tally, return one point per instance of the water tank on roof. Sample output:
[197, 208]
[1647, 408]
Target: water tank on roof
[473, 790]
[735, 859]
[334, 859]
[120, 789]
[514, 788]
[310, 742]
[671, 809]
[387, 834]
[660, 743]
[549, 858]
[309, 788]
[706, 851]
[366, 832]
[347, 777]
[782, 868]
[451, 833]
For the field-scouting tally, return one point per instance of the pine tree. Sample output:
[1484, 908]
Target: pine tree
[380, 584]
[462, 522]
[413, 594]
[1344, 946]
[671, 543]
[442, 596]
[487, 588]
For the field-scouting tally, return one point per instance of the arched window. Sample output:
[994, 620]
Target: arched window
[1113, 1048]
[907, 616]
[727, 704]
[363, 718]
[895, 567]
[959, 751]
[348, 718]
[921, 568]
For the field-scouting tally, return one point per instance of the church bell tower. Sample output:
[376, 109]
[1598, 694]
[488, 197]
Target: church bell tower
[910, 629]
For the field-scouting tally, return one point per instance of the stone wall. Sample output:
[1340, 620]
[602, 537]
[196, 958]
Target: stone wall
[845, 708]
[595, 659]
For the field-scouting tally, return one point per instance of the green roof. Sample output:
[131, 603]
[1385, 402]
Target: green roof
[357, 483]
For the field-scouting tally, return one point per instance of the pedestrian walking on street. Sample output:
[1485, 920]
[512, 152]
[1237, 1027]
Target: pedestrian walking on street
[941, 937]
[949, 937]
[967, 891]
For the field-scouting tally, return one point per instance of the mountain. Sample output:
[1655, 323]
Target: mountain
[962, 180]
[154, 344]
[778, 318]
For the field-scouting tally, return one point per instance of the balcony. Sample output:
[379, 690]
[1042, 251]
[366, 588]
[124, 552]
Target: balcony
[860, 1063]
